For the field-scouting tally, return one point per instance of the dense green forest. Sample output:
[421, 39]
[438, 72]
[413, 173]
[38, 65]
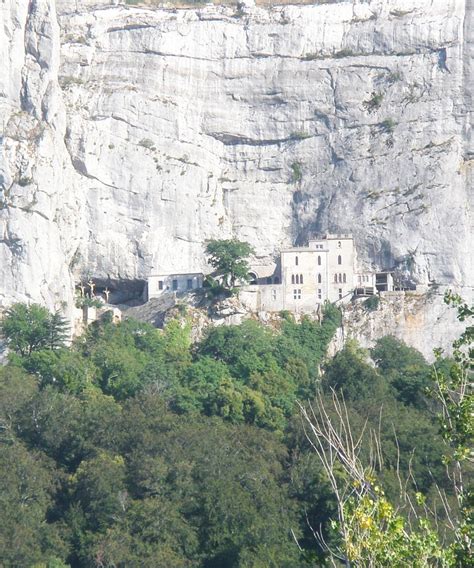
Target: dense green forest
[134, 447]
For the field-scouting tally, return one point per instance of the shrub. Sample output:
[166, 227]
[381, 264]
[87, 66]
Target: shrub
[372, 303]
[344, 53]
[296, 172]
[374, 102]
[147, 143]
[388, 125]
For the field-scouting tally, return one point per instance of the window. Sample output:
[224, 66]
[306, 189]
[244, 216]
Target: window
[297, 279]
[292, 278]
[274, 294]
[339, 244]
[319, 279]
[339, 259]
[296, 260]
[340, 278]
[297, 294]
[175, 284]
[320, 293]
[344, 277]
[301, 279]
[189, 284]
[269, 280]
[335, 277]
[319, 261]
[160, 284]
[340, 293]
[276, 280]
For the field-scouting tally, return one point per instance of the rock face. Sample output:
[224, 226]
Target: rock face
[131, 135]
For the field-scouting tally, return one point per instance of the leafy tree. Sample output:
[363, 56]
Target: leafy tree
[455, 393]
[371, 531]
[27, 488]
[64, 368]
[404, 367]
[31, 328]
[229, 260]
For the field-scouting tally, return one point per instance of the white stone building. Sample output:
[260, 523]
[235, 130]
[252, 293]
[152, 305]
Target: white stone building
[301, 280]
[305, 277]
[159, 284]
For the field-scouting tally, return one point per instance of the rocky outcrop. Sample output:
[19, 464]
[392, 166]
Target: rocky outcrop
[131, 135]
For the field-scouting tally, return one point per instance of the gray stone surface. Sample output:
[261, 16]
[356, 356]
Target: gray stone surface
[130, 136]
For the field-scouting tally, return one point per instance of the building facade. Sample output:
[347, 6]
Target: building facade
[159, 284]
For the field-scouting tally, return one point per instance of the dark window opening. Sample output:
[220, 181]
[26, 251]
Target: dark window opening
[339, 259]
[319, 261]
[189, 283]
[296, 260]
[160, 284]
[175, 284]
[319, 279]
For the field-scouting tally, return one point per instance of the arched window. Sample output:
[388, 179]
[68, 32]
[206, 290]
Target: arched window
[301, 279]
[319, 279]
[296, 260]
[335, 277]
[319, 261]
[339, 259]
[297, 279]
[344, 277]
[340, 277]
[292, 278]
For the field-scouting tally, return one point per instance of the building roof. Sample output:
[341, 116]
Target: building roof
[299, 249]
[170, 274]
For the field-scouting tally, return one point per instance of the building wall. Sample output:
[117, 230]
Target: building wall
[160, 284]
[340, 266]
[300, 271]
[262, 298]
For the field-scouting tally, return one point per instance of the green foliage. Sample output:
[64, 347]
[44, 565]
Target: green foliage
[372, 303]
[346, 52]
[147, 143]
[31, 328]
[374, 102]
[88, 302]
[134, 447]
[404, 367]
[378, 536]
[229, 260]
[388, 125]
[454, 392]
[296, 172]
[64, 368]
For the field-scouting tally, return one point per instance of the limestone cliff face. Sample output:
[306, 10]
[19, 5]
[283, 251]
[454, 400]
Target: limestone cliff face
[130, 136]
